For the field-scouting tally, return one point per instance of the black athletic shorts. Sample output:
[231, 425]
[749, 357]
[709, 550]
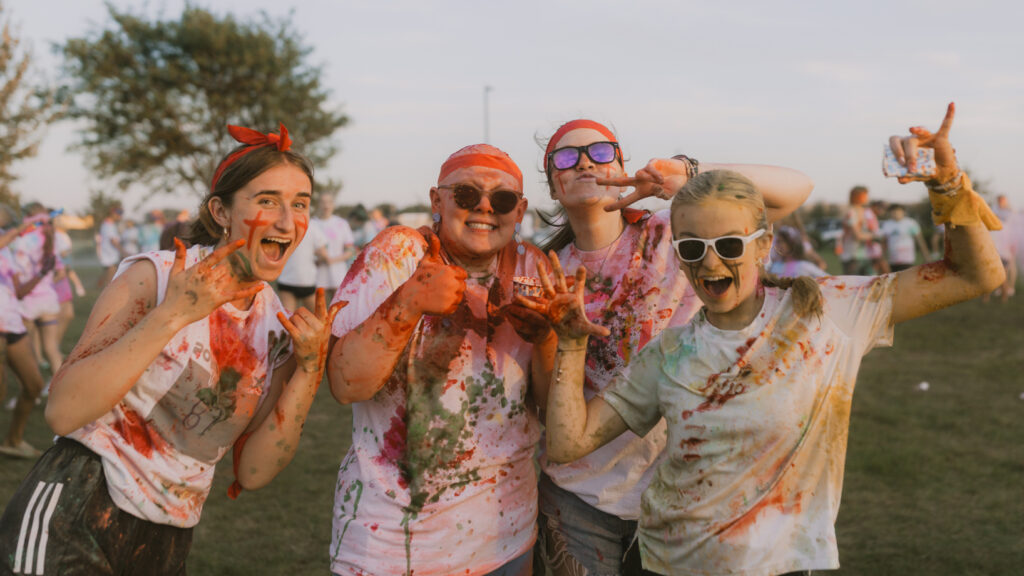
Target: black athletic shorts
[299, 292]
[13, 338]
[62, 521]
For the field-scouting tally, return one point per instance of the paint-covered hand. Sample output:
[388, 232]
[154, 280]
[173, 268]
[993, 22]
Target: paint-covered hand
[561, 304]
[905, 150]
[311, 333]
[662, 177]
[435, 287]
[531, 326]
[195, 293]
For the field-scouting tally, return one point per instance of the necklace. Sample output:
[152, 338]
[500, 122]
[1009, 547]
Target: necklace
[607, 252]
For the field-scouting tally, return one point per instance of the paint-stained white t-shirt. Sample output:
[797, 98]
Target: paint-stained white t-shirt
[635, 289]
[440, 478]
[757, 423]
[160, 443]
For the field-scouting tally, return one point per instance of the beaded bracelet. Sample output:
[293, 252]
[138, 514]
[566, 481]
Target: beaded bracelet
[692, 165]
[951, 186]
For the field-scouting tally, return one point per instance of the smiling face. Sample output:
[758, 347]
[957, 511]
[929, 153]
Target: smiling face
[474, 236]
[271, 213]
[576, 186]
[729, 289]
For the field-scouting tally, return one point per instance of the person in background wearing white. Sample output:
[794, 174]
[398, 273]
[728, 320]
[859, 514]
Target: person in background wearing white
[108, 244]
[1004, 241]
[900, 234]
[331, 269]
[150, 230]
[129, 238]
[296, 286]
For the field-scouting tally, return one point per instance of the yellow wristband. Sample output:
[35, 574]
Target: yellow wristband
[962, 207]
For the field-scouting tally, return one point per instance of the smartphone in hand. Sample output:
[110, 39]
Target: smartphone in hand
[893, 169]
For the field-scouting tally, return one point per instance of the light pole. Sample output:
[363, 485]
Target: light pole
[487, 119]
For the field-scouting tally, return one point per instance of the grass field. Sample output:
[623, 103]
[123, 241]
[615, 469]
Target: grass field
[934, 479]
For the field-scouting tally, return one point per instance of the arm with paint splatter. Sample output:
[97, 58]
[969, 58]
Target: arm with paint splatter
[276, 430]
[971, 265]
[575, 427]
[362, 360]
[784, 189]
[128, 330]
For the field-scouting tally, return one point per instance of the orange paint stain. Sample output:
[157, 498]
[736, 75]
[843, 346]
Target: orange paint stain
[776, 500]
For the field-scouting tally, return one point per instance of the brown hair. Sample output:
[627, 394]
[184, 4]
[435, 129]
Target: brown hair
[240, 172]
[735, 187]
[858, 195]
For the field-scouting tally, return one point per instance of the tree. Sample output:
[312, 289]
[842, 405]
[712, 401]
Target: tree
[156, 95]
[25, 110]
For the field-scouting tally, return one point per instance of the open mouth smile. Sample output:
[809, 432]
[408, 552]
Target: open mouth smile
[274, 247]
[716, 286]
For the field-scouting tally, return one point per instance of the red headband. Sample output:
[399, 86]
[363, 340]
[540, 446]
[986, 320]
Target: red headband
[574, 125]
[253, 140]
[482, 155]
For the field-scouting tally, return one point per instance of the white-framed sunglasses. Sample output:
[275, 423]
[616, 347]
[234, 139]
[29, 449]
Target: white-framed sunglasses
[727, 247]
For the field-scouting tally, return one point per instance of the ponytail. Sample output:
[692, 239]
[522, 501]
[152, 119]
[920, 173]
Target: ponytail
[806, 292]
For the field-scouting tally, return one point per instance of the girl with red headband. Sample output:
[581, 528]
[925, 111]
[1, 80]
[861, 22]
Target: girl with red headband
[589, 509]
[186, 354]
[437, 362]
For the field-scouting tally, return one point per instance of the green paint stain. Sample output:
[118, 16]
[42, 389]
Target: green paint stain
[241, 268]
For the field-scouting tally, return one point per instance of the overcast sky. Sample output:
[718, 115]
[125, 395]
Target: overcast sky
[814, 85]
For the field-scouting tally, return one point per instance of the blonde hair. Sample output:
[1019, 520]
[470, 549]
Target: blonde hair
[735, 187]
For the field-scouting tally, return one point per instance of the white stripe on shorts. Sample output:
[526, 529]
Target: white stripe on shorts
[44, 497]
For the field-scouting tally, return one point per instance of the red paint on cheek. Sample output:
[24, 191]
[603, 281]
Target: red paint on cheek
[301, 224]
[252, 224]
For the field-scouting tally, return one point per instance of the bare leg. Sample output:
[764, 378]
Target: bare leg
[288, 300]
[35, 340]
[64, 318]
[49, 330]
[3, 371]
[21, 360]
[309, 302]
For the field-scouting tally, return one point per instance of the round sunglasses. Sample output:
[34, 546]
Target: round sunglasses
[727, 247]
[468, 197]
[569, 156]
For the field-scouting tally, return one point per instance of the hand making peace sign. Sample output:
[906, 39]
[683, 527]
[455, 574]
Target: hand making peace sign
[662, 177]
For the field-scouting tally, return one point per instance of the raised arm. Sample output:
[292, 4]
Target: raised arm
[276, 430]
[784, 189]
[575, 427]
[971, 265]
[127, 330]
[362, 360]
